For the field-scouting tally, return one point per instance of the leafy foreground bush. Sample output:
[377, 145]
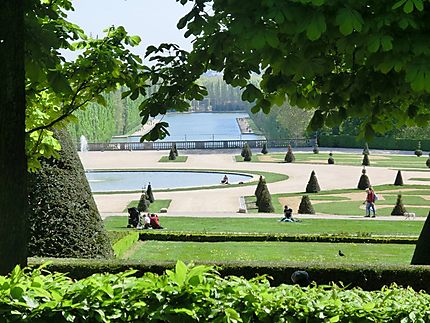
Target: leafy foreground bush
[192, 294]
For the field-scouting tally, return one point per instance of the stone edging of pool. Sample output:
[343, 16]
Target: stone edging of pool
[270, 177]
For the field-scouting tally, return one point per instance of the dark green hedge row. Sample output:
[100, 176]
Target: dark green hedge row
[376, 143]
[365, 276]
[226, 237]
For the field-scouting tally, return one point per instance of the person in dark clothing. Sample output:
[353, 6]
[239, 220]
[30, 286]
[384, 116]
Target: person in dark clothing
[288, 215]
[133, 217]
[301, 278]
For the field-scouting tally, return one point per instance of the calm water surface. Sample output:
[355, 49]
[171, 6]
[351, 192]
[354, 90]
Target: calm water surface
[129, 181]
[204, 126]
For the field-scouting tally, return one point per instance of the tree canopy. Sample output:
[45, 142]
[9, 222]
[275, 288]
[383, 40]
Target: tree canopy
[342, 58]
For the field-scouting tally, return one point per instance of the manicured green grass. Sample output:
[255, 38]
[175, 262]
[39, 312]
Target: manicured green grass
[179, 159]
[274, 252]
[420, 179]
[390, 161]
[153, 207]
[272, 225]
[342, 205]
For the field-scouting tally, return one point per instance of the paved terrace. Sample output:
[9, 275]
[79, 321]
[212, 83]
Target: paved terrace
[224, 202]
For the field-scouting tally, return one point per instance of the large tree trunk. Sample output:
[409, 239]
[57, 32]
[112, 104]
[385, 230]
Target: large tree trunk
[13, 163]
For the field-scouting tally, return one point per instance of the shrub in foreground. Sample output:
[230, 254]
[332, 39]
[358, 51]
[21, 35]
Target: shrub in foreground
[63, 217]
[195, 294]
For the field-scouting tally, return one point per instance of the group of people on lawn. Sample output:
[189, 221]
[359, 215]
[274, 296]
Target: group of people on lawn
[371, 198]
[142, 221]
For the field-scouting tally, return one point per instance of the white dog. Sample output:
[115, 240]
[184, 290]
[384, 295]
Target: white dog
[409, 215]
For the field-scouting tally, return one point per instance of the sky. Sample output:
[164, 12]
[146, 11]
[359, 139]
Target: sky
[153, 20]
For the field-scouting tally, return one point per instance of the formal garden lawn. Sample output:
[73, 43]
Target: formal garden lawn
[179, 159]
[416, 198]
[272, 225]
[390, 161]
[278, 252]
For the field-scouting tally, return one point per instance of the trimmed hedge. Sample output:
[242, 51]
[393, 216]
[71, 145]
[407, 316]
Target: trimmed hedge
[364, 276]
[376, 143]
[125, 243]
[238, 237]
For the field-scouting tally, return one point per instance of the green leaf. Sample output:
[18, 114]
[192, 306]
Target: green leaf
[348, 20]
[180, 272]
[387, 43]
[316, 27]
[408, 7]
[59, 83]
[373, 44]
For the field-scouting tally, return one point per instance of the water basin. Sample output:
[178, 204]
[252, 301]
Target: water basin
[108, 181]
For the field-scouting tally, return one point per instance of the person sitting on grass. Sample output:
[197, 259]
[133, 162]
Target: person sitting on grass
[154, 221]
[146, 221]
[224, 180]
[288, 215]
[133, 217]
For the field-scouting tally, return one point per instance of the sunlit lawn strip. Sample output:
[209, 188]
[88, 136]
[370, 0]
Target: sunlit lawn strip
[392, 161]
[338, 204]
[272, 225]
[274, 252]
[179, 159]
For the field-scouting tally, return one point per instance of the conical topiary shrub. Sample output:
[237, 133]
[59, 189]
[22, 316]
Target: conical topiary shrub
[364, 181]
[175, 150]
[366, 161]
[265, 201]
[399, 179]
[418, 151]
[261, 183]
[305, 206]
[316, 149]
[313, 186]
[247, 153]
[172, 155]
[366, 150]
[399, 208]
[289, 157]
[259, 191]
[422, 249]
[330, 159]
[143, 205]
[63, 217]
[149, 194]
[264, 149]
[428, 161]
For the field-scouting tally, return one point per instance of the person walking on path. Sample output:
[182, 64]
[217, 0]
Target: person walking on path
[370, 202]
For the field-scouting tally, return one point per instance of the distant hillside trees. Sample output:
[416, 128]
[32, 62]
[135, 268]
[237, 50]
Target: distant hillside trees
[99, 124]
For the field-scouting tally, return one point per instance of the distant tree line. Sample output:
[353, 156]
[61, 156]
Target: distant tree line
[98, 123]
